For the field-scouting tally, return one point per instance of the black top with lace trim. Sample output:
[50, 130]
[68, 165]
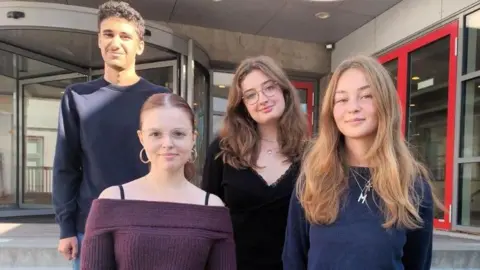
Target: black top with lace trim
[259, 211]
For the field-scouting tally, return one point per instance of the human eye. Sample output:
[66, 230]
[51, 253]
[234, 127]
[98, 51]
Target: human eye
[250, 94]
[179, 134]
[154, 134]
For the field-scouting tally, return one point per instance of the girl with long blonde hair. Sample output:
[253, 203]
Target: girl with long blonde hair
[362, 200]
[254, 162]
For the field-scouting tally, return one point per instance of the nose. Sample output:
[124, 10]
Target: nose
[115, 43]
[167, 142]
[261, 97]
[353, 105]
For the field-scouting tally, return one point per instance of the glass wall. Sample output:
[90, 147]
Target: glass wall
[427, 109]
[219, 98]
[8, 139]
[200, 107]
[41, 106]
[469, 138]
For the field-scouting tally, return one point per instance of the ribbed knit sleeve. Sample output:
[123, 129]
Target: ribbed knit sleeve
[97, 252]
[222, 255]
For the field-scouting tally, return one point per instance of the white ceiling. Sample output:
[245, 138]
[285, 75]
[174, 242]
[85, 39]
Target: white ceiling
[288, 19]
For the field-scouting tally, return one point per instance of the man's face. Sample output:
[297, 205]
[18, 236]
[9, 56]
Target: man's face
[119, 43]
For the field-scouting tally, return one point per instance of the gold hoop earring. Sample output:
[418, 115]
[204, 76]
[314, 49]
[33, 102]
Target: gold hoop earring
[194, 155]
[141, 156]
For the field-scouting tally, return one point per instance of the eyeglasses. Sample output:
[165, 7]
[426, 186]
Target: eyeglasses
[269, 89]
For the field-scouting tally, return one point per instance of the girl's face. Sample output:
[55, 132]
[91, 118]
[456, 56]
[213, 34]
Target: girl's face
[168, 138]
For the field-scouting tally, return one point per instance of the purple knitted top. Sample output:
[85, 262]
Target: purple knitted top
[139, 235]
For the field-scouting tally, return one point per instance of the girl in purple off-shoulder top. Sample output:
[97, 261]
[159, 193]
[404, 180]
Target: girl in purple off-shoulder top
[160, 221]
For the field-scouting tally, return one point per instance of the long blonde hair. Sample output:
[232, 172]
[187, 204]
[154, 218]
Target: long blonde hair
[395, 172]
[239, 142]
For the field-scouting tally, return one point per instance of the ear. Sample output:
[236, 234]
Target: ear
[141, 47]
[140, 137]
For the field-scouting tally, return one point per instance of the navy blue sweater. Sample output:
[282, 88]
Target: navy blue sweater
[97, 146]
[356, 240]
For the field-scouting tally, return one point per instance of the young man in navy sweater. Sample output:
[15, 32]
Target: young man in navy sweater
[97, 144]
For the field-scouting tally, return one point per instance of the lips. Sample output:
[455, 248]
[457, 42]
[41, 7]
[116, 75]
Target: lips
[356, 120]
[267, 109]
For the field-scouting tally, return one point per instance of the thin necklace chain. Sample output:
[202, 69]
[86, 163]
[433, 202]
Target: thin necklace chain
[363, 191]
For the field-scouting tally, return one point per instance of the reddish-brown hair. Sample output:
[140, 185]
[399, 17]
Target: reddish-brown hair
[173, 101]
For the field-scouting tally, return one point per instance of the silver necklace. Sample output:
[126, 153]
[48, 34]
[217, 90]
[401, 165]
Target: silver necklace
[363, 191]
[270, 151]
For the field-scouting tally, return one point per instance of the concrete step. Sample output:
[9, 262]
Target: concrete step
[34, 247]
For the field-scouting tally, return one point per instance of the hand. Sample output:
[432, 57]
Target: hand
[68, 247]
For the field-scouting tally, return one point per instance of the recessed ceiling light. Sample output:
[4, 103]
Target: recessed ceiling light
[221, 86]
[415, 78]
[322, 15]
[217, 0]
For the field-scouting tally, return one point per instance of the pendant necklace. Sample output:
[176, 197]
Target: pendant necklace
[363, 191]
[270, 151]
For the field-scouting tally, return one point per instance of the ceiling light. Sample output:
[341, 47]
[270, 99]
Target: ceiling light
[324, 0]
[415, 78]
[217, 0]
[221, 86]
[322, 15]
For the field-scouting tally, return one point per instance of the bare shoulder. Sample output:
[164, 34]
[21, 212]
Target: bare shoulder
[112, 192]
[214, 200]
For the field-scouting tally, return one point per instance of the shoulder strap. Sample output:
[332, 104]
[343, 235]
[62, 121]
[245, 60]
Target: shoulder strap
[122, 192]
[206, 198]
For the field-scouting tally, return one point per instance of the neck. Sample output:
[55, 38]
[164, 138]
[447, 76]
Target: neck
[165, 179]
[268, 132]
[124, 77]
[356, 150]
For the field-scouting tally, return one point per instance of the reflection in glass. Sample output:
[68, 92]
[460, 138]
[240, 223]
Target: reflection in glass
[41, 105]
[470, 123]
[7, 130]
[428, 100]
[162, 76]
[472, 41]
[201, 113]
[392, 68]
[469, 194]
[217, 124]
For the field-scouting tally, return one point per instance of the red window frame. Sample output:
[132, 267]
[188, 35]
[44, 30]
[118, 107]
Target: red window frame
[308, 87]
[402, 54]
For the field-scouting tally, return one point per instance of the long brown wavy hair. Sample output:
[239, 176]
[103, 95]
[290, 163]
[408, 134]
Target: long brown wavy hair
[395, 171]
[240, 140]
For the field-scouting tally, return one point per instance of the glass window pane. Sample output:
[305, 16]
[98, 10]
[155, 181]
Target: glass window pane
[200, 108]
[469, 194]
[41, 105]
[472, 41]
[470, 121]
[7, 131]
[217, 123]
[302, 93]
[392, 67]
[428, 100]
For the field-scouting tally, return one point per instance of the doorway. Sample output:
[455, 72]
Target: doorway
[425, 72]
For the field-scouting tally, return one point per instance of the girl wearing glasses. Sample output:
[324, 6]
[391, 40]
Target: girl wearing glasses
[254, 162]
[364, 201]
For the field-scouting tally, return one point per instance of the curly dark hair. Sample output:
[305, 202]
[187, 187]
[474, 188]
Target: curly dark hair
[123, 10]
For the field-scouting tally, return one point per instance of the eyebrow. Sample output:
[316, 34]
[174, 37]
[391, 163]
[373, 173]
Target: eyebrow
[262, 84]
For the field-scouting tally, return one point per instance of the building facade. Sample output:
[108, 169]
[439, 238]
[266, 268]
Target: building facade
[44, 47]
[430, 48]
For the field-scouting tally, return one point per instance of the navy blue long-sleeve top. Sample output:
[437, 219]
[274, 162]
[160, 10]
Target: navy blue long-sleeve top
[357, 240]
[97, 146]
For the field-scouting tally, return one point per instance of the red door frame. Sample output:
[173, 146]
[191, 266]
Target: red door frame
[306, 86]
[401, 54]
